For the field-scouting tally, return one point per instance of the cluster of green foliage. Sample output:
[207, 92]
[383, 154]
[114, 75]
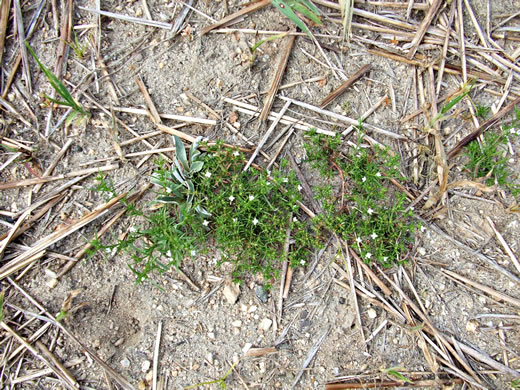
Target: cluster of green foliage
[208, 201]
[488, 159]
[370, 216]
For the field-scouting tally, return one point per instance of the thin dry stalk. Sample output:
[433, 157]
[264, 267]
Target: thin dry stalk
[483, 127]
[344, 118]
[495, 294]
[152, 111]
[106, 227]
[269, 100]
[366, 114]
[27, 257]
[445, 48]
[39, 356]
[59, 366]
[12, 232]
[285, 268]
[280, 147]
[309, 357]
[20, 33]
[53, 164]
[236, 15]
[267, 133]
[286, 120]
[44, 372]
[199, 102]
[156, 355]
[432, 12]
[49, 318]
[346, 85]
[381, 384]
[130, 19]
[504, 244]
[182, 118]
[352, 287]
[110, 85]
[5, 7]
[37, 180]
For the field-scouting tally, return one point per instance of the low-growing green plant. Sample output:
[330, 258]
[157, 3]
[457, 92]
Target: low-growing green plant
[481, 111]
[80, 49]
[78, 112]
[207, 200]
[489, 157]
[221, 382]
[370, 216]
[515, 384]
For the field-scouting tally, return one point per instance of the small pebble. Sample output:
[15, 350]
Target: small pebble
[146, 366]
[265, 324]
[261, 293]
[472, 326]
[237, 323]
[371, 313]
[125, 363]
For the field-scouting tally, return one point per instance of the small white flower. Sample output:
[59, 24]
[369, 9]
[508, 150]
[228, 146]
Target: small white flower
[423, 229]
[205, 223]
[234, 220]
[193, 253]
[236, 153]
[207, 174]
[385, 258]
[370, 211]
[378, 174]
[368, 255]
[255, 221]
[373, 235]
[295, 219]
[268, 183]
[251, 198]
[364, 179]
[132, 229]
[358, 240]
[302, 262]
[231, 198]
[285, 180]
[299, 187]
[268, 172]
[168, 190]
[169, 254]
[411, 208]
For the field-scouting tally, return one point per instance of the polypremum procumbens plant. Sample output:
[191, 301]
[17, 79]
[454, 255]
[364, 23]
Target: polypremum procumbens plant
[207, 201]
[251, 212]
[366, 211]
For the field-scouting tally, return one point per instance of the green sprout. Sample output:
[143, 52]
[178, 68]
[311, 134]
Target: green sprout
[68, 101]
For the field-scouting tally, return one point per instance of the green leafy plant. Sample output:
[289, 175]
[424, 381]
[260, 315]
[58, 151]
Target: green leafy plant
[481, 111]
[221, 382]
[515, 384]
[394, 371]
[371, 216]
[488, 159]
[207, 201]
[78, 112]
[304, 7]
[79, 49]
[178, 183]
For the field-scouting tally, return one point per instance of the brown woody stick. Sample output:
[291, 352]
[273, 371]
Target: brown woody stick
[432, 11]
[4, 19]
[483, 127]
[346, 85]
[266, 110]
[233, 16]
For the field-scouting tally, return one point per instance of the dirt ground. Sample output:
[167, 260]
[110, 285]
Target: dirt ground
[201, 333]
